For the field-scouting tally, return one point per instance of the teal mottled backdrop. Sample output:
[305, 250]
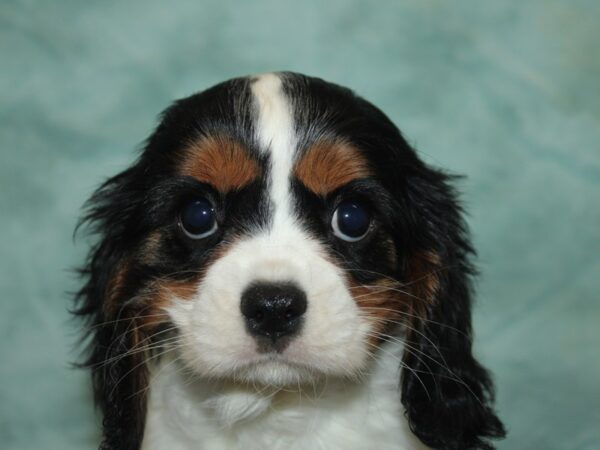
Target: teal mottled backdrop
[506, 92]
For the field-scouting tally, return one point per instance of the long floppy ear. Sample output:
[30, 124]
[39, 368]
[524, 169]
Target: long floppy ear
[119, 374]
[447, 394]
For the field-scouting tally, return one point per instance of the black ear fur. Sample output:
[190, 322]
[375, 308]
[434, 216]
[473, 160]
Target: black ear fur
[447, 394]
[118, 379]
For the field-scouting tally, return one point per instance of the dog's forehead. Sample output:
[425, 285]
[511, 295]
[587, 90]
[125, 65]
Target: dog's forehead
[289, 135]
[273, 128]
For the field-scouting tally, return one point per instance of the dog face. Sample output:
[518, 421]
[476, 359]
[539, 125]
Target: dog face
[274, 231]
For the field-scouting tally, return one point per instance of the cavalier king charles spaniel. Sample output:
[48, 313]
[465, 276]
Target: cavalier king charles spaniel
[279, 270]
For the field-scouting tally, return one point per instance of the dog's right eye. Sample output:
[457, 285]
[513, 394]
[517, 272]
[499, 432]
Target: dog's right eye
[198, 219]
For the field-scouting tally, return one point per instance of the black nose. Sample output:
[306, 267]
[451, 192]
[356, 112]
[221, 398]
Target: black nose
[273, 310]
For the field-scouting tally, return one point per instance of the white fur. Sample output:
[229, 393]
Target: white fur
[276, 135]
[186, 413]
[233, 396]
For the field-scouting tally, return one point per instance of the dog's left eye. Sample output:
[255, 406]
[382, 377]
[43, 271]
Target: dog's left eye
[198, 218]
[351, 220]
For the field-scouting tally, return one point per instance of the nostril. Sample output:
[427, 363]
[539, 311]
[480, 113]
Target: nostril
[295, 308]
[289, 314]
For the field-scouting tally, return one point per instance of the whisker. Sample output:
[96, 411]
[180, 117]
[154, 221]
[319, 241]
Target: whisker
[112, 322]
[413, 316]
[402, 365]
[406, 347]
[412, 329]
[137, 349]
[445, 365]
[162, 368]
[134, 368]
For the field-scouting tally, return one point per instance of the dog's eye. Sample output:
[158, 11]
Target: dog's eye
[351, 220]
[198, 218]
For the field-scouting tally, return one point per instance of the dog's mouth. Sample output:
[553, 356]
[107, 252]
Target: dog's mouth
[269, 365]
[274, 369]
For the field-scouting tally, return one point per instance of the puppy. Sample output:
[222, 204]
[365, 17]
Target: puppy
[279, 270]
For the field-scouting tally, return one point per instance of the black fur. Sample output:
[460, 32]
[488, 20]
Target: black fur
[122, 213]
[448, 396]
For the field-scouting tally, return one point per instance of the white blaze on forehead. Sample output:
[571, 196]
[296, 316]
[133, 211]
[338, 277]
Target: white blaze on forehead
[276, 136]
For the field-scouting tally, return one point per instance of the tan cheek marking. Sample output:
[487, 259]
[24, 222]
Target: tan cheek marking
[161, 293]
[328, 165]
[220, 162]
[159, 298]
[148, 253]
[114, 289]
[386, 302]
[423, 280]
[380, 303]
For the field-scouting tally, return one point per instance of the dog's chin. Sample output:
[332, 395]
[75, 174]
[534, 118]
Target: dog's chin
[269, 370]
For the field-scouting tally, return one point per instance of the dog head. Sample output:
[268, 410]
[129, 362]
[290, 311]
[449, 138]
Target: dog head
[276, 230]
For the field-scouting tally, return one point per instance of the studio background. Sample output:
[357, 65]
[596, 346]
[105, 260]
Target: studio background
[506, 93]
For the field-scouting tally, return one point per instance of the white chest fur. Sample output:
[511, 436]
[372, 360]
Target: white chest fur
[185, 413]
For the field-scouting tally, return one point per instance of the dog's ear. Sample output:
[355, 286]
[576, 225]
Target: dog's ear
[447, 394]
[119, 374]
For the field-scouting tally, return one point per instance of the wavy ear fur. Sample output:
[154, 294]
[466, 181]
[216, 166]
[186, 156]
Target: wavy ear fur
[118, 377]
[447, 394]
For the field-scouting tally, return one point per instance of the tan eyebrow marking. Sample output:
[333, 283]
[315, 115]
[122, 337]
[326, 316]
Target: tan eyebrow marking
[220, 161]
[327, 165]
